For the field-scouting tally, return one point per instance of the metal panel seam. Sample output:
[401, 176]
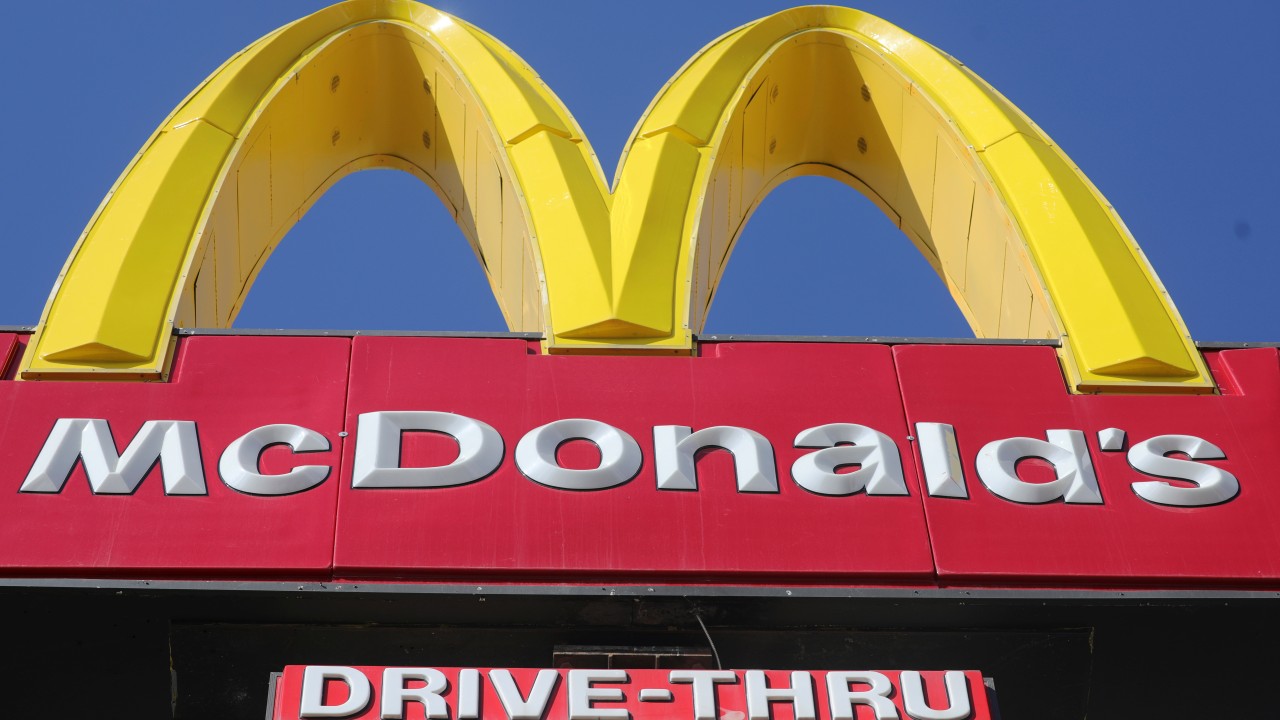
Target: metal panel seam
[342, 459]
[912, 445]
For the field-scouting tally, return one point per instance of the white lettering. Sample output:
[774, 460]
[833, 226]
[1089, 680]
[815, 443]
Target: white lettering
[1066, 451]
[1213, 485]
[582, 695]
[848, 444]
[395, 694]
[675, 450]
[314, 679]
[620, 456]
[943, 472]
[378, 441]
[517, 707]
[846, 459]
[468, 694]
[239, 463]
[914, 702]
[173, 442]
[1111, 439]
[704, 689]
[759, 695]
[842, 699]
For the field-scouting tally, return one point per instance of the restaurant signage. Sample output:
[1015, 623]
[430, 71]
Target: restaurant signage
[871, 461]
[609, 441]
[413, 693]
[452, 458]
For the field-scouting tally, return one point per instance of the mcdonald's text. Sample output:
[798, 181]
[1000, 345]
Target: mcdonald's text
[843, 459]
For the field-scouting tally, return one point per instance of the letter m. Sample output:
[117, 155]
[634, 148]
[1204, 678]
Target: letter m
[173, 443]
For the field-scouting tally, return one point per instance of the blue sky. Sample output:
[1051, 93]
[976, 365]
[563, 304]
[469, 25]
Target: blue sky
[1169, 108]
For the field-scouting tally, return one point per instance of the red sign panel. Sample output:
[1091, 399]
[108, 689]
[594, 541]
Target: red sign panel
[990, 393]
[414, 693]
[78, 501]
[8, 348]
[710, 526]
[416, 458]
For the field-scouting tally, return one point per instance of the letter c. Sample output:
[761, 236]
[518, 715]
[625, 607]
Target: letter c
[239, 463]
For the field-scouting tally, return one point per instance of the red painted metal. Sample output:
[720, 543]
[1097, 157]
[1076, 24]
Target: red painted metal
[8, 348]
[508, 528]
[730, 697]
[990, 393]
[228, 385]
[507, 525]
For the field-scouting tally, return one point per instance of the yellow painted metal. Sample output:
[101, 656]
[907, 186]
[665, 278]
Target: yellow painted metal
[1026, 245]
[365, 84]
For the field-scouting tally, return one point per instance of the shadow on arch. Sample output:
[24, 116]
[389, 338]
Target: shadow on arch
[821, 103]
[817, 258]
[376, 252]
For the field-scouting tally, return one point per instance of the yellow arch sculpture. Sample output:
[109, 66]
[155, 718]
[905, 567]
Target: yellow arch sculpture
[1027, 246]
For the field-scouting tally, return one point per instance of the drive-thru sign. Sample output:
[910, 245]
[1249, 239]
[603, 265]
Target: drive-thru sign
[317, 691]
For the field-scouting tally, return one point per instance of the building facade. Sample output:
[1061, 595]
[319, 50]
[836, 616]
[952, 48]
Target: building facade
[606, 513]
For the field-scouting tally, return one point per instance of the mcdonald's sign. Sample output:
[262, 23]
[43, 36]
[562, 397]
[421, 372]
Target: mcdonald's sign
[549, 452]
[578, 518]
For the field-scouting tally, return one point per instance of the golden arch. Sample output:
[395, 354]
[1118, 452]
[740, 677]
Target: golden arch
[1024, 242]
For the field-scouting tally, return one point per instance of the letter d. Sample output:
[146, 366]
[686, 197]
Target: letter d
[314, 679]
